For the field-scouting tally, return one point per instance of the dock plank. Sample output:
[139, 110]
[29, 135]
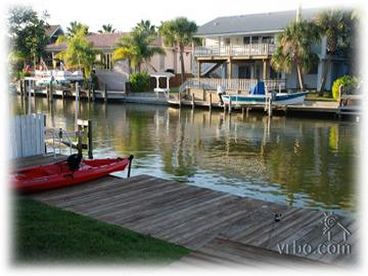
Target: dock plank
[223, 229]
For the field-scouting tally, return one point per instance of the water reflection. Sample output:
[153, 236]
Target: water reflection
[300, 162]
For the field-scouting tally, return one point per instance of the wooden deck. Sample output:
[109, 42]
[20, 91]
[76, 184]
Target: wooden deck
[220, 228]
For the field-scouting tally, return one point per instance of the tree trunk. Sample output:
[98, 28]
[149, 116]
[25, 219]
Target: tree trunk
[326, 70]
[300, 77]
[181, 47]
[34, 61]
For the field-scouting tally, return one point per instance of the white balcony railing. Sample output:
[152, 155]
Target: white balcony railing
[261, 49]
[242, 85]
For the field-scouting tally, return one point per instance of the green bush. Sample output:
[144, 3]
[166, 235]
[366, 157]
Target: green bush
[139, 82]
[350, 83]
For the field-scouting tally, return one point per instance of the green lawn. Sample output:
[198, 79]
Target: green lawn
[314, 96]
[47, 234]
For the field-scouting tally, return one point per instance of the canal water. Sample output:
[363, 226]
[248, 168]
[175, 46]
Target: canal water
[295, 161]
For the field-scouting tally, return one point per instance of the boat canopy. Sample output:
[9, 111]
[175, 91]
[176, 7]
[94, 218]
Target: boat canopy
[258, 89]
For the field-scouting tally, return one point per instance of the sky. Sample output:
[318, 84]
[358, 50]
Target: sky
[124, 15]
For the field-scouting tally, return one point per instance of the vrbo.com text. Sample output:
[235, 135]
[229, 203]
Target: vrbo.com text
[307, 249]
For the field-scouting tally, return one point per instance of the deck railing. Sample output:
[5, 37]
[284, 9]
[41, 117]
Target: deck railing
[241, 85]
[260, 49]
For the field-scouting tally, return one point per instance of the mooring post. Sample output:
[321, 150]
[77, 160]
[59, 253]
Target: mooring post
[51, 90]
[193, 102]
[179, 98]
[76, 103]
[93, 92]
[105, 92]
[210, 106]
[270, 107]
[29, 98]
[229, 104]
[79, 134]
[89, 94]
[130, 164]
[21, 88]
[44, 125]
[90, 140]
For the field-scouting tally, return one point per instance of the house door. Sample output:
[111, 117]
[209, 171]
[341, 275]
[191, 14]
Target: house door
[244, 71]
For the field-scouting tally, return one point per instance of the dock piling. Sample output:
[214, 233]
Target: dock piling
[90, 140]
[193, 102]
[105, 93]
[130, 164]
[210, 104]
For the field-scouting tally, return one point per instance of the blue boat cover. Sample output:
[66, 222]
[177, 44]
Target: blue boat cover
[258, 89]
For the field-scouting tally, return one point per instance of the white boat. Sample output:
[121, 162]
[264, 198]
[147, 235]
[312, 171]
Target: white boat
[259, 96]
[44, 77]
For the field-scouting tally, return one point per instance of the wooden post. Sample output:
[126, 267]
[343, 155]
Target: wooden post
[229, 104]
[199, 70]
[44, 125]
[270, 107]
[210, 105]
[193, 102]
[29, 98]
[76, 103]
[51, 91]
[130, 164]
[21, 86]
[79, 144]
[93, 92]
[25, 88]
[179, 98]
[105, 93]
[89, 94]
[90, 140]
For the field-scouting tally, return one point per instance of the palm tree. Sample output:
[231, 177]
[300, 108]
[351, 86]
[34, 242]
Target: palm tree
[79, 53]
[334, 25]
[107, 29]
[74, 27]
[146, 27]
[294, 49]
[178, 32]
[137, 48]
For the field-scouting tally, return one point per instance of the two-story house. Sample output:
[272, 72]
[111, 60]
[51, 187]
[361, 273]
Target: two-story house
[241, 47]
[115, 75]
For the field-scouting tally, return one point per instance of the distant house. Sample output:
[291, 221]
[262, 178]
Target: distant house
[53, 32]
[241, 47]
[114, 75]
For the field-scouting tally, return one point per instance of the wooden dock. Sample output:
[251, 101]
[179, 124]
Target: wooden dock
[220, 228]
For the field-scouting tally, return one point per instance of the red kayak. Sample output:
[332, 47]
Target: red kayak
[60, 174]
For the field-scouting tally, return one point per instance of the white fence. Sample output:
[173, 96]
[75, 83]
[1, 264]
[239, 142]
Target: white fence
[27, 136]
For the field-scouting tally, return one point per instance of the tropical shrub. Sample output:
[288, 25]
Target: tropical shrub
[139, 82]
[349, 82]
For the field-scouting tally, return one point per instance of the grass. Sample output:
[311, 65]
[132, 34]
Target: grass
[314, 96]
[45, 234]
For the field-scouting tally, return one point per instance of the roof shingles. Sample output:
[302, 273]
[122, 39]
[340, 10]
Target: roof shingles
[252, 23]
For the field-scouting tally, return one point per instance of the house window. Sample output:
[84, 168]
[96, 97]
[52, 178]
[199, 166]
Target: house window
[274, 74]
[255, 39]
[246, 40]
[227, 41]
[314, 69]
[268, 39]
